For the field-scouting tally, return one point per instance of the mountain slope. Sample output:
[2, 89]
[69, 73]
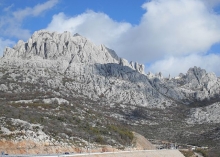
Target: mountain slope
[64, 81]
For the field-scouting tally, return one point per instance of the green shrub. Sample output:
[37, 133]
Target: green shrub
[99, 139]
[187, 153]
[122, 131]
[202, 151]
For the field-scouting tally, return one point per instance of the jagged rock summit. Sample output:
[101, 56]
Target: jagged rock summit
[66, 47]
[52, 46]
[97, 70]
[76, 57]
[64, 88]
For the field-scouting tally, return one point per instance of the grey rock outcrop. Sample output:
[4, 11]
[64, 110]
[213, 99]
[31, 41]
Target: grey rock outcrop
[205, 85]
[195, 85]
[82, 67]
[73, 74]
[204, 115]
[63, 46]
[96, 71]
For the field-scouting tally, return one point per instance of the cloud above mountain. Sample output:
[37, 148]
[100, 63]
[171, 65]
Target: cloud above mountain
[98, 27]
[11, 24]
[212, 3]
[5, 43]
[171, 28]
[174, 65]
[170, 31]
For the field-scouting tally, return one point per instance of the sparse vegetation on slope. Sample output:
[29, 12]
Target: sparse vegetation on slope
[64, 88]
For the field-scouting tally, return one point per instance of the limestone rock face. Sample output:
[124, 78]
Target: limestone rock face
[97, 70]
[133, 65]
[203, 115]
[205, 85]
[65, 68]
[195, 85]
[87, 68]
[63, 46]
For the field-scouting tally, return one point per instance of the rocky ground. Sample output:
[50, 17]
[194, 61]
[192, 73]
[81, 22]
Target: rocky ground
[31, 146]
[64, 89]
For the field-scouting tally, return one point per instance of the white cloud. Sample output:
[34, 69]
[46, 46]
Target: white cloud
[15, 30]
[35, 11]
[170, 32]
[172, 27]
[11, 22]
[8, 8]
[176, 65]
[5, 43]
[168, 28]
[98, 27]
[212, 3]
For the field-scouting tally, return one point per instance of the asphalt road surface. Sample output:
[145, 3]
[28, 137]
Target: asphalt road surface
[144, 153]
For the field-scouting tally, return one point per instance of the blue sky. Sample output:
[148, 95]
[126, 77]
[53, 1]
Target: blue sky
[168, 36]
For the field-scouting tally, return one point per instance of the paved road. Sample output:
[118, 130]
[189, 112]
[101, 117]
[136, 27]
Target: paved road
[145, 153]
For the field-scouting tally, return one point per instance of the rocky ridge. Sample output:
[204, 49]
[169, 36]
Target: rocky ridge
[69, 70]
[98, 69]
[75, 57]
[208, 114]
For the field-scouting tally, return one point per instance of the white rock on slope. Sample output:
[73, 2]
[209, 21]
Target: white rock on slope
[202, 115]
[79, 59]
[74, 64]
[63, 46]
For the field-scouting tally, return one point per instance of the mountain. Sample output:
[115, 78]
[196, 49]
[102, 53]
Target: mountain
[62, 88]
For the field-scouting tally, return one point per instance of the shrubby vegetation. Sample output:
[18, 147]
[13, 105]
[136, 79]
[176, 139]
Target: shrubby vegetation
[202, 151]
[187, 153]
[64, 121]
[94, 120]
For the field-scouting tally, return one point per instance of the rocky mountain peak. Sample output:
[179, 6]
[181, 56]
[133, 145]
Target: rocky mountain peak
[44, 45]
[52, 46]
[65, 87]
[196, 72]
[199, 78]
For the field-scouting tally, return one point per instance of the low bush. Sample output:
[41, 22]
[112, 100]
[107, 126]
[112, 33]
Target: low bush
[202, 151]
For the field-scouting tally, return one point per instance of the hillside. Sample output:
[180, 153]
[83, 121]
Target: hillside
[65, 90]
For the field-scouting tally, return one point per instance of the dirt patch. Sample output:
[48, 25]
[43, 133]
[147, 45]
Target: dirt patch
[142, 143]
